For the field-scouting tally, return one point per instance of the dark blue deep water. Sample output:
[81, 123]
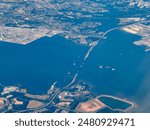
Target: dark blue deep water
[124, 71]
[114, 103]
[38, 64]
[115, 67]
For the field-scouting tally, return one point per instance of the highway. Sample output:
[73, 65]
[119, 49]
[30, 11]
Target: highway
[108, 31]
[51, 98]
[93, 45]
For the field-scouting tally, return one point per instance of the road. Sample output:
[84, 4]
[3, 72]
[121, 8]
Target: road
[51, 98]
[108, 31]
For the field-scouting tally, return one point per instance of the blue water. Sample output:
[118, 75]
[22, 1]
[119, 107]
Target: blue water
[114, 103]
[37, 65]
[131, 77]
